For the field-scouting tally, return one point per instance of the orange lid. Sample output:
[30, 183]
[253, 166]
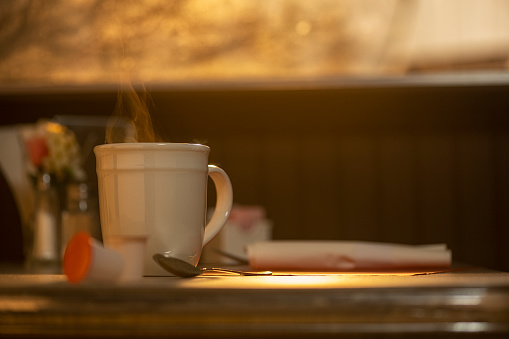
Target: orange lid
[78, 257]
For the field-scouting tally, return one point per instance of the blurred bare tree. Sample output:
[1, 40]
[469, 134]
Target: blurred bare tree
[93, 41]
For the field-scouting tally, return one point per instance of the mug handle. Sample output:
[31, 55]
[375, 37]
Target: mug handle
[223, 206]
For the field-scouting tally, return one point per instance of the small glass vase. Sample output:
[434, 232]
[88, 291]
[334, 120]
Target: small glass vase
[45, 252]
[81, 212]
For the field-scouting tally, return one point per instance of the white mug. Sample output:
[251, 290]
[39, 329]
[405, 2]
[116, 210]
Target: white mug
[159, 191]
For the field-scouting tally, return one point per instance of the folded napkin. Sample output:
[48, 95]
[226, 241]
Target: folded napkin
[344, 255]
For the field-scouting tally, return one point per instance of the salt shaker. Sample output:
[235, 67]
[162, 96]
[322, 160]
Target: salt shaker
[46, 241]
[81, 213]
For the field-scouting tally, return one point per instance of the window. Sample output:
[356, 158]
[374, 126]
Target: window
[96, 42]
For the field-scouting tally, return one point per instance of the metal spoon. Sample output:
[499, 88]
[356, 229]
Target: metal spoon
[184, 269]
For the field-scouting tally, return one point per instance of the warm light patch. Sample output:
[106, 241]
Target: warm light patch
[303, 27]
[305, 281]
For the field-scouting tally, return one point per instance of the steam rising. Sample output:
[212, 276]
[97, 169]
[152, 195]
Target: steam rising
[131, 120]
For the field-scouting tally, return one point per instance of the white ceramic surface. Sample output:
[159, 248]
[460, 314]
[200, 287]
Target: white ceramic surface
[159, 191]
[132, 250]
[106, 266]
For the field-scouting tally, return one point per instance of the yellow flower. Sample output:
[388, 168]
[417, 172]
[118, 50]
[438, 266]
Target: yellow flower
[63, 158]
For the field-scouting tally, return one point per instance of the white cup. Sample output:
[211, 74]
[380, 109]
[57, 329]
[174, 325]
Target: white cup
[159, 191]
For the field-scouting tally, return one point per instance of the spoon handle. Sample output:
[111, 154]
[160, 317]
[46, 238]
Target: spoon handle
[247, 273]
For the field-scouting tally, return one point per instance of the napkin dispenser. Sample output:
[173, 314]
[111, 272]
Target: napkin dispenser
[246, 225]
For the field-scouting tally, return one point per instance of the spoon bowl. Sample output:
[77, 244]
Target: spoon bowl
[184, 269]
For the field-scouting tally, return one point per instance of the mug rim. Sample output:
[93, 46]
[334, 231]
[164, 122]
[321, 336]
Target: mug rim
[153, 146]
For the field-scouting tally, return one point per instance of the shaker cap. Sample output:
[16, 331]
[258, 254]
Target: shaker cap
[85, 259]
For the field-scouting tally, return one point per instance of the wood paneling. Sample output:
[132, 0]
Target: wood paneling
[319, 176]
[409, 165]
[358, 188]
[476, 199]
[436, 187]
[501, 201]
[398, 196]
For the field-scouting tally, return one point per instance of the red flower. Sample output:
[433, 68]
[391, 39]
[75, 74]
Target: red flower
[37, 149]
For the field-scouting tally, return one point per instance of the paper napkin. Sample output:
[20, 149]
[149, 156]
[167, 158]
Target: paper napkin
[344, 255]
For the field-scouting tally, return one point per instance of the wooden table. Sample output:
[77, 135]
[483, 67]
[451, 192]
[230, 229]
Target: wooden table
[464, 302]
